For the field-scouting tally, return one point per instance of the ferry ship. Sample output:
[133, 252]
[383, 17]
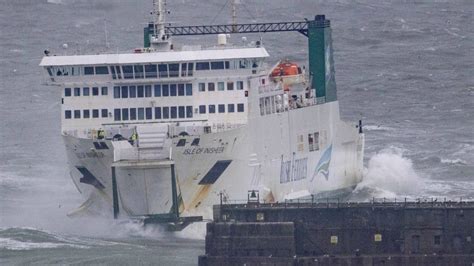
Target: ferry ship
[171, 131]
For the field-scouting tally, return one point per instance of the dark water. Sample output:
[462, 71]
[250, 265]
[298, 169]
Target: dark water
[404, 67]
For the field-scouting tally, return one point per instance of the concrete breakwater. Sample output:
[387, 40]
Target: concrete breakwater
[376, 233]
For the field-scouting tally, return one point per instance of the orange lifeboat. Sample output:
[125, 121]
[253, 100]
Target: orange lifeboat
[287, 72]
[286, 68]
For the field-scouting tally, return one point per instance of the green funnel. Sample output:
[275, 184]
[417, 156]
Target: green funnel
[321, 62]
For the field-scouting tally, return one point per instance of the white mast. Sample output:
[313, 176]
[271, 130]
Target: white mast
[159, 40]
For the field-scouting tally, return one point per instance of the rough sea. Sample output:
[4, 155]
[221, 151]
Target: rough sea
[406, 68]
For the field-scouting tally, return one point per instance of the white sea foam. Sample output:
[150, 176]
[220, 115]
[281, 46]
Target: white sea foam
[454, 161]
[391, 175]
[12, 244]
[55, 2]
[377, 128]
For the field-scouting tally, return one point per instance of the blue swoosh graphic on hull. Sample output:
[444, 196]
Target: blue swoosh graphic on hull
[323, 165]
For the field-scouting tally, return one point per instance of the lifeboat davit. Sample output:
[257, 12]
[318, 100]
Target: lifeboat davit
[287, 72]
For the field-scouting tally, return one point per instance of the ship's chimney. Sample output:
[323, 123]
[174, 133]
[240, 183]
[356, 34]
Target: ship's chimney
[321, 63]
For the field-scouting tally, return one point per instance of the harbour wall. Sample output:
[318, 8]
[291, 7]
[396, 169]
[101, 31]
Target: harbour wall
[376, 233]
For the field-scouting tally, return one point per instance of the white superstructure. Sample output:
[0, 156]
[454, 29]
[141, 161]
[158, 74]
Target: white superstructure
[220, 115]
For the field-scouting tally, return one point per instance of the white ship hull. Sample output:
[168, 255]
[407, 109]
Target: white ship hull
[266, 155]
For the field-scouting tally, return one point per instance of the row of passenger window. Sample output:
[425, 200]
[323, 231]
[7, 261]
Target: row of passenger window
[170, 112]
[221, 108]
[159, 90]
[167, 112]
[86, 91]
[104, 113]
[221, 86]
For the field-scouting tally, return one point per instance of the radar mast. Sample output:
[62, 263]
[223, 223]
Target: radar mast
[159, 40]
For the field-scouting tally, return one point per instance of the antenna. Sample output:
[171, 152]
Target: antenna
[106, 34]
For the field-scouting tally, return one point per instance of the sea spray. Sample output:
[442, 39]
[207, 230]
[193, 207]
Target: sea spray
[389, 175]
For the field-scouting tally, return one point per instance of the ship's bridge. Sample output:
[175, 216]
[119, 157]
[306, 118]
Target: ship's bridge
[199, 90]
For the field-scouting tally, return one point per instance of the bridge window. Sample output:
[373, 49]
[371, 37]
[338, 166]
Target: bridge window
[132, 91]
[157, 112]
[124, 91]
[184, 69]
[166, 112]
[112, 70]
[140, 91]
[116, 92]
[101, 70]
[173, 112]
[189, 111]
[77, 113]
[105, 113]
[211, 86]
[67, 114]
[77, 91]
[202, 66]
[95, 91]
[190, 69]
[85, 91]
[240, 107]
[67, 92]
[147, 90]
[230, 85]
[125, 114]
[138, 71]
[133, 113]
[181, 111]
[163, 70]
[157, 90]
[88, 70]
[220, 86]
[173, 70]
[117, 116]
[165, 90]
[95, 113]
[119, 72]
[221, 108]
[127, 71]
[202, 86]
[202, 109]
[230, 108]
[217, 65]
[86, 113]
[150, 71]
[189, 89]
[180, 89]
[212, 109]
[141, 113]
[173, 90]
[240, 85]
[104, 90]
[148, 113]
